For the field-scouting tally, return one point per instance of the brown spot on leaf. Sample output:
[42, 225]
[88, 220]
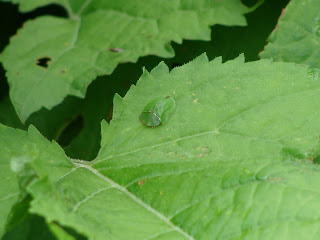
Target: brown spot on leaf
[115, 49]
[275, 179]
[140, 183]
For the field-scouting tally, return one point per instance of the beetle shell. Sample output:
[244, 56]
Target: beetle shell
[158, 111]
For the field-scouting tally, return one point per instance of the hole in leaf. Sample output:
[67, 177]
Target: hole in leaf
[43, 62]
[71, 131]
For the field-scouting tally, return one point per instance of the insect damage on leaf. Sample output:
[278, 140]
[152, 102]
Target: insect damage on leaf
[43, 62]
[158, 111]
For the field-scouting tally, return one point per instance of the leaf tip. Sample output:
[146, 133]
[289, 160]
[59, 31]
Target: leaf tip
[117, 102]
[203, 58]
[240, 58]
[161, 68]
[33, 130]
[104, 126]
[117, 99]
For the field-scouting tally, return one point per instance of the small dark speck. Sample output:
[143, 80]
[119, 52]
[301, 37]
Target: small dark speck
[116, 50]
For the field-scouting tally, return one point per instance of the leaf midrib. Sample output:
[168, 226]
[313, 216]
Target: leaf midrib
[134, 198]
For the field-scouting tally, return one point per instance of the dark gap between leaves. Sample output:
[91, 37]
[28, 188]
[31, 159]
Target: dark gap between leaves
[249, 3]
[4, 86]
[72, 232]
[175, 64]
[71, 131]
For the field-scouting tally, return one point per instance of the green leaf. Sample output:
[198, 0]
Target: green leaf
[233, 162]
[9, 191]
[21, 148]
[227, 42]
[50, 123]
[297, 35]
[95, 107]
[230, 41]
[40, 60]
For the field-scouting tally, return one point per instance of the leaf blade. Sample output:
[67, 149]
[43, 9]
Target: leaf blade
[90, 37]
[296, 37]
[235, 164]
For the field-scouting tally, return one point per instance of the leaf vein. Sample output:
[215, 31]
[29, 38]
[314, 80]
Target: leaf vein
[137, 200]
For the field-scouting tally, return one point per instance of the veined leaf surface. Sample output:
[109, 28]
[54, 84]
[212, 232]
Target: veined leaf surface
[297, 36]
[235, 161]
[52, 57]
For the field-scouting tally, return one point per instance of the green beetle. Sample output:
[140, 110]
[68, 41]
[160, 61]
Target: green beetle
[158, 111]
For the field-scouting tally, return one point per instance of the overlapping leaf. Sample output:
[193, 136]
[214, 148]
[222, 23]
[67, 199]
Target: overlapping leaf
[297, 36]
[234, 162]
[227, 42]
[9, 192]
[21, 148]
[52, 57]
[30, 5]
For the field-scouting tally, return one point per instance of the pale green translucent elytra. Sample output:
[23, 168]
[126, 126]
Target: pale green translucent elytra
[158, 111]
